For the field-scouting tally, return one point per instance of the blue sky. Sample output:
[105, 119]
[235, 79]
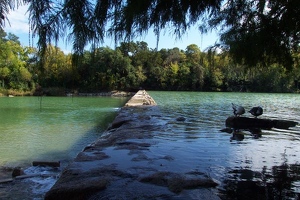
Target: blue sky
[19, 26]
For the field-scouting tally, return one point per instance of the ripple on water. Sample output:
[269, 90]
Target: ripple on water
[197, 143]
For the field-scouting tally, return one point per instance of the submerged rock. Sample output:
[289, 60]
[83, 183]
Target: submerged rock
[17, 171]
[177, 182]
[180, 119]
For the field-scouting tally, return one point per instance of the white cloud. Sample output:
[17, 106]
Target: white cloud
[18, 21]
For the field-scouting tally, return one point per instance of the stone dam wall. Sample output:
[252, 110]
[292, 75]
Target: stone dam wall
[119, 165]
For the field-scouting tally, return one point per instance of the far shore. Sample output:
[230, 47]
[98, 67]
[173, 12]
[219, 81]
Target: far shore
[65, 92]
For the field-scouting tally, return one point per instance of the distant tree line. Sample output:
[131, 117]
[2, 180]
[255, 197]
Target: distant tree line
[133, 65]
[259, 42]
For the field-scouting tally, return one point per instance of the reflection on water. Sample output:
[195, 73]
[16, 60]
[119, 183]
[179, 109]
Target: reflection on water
[254, 168]
[282, 182]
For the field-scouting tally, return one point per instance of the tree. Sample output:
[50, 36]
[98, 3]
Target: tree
[88, 20]
[5, 7]
[109, 69]
[193, 54]
[154, 71]
[56, 70]
[13, 63]
[259, 31]
[246, 25]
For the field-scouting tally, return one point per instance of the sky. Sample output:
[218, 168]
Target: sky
[19, 26]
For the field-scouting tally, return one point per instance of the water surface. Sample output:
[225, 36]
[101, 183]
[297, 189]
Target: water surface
[268, 165]
[51, 128]
[254, 168]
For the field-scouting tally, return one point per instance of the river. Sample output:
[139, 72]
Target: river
[57, 128]
[253, 168]
[51, 128]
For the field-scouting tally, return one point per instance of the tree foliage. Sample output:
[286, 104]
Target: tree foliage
[259, 31]
[133, 65]
[253, 31]
[13, 63]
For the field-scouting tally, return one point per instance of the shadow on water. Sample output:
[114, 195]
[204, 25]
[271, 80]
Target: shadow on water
[95, 131]
[103, 121]
[41, 133]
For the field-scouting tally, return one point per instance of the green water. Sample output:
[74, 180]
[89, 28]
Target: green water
[253, 168]
[51, 128]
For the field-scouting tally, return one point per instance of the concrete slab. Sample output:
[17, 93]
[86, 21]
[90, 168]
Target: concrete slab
[141, 98]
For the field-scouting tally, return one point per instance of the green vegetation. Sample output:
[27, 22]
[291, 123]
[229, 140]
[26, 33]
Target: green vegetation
[259, 43]
[253, 32]
[132, 66]
[16, 69]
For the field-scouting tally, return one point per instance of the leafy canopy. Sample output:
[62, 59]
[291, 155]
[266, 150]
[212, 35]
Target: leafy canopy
[253, 31]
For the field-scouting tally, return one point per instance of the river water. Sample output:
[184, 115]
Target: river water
[51, 128]
[253, 168]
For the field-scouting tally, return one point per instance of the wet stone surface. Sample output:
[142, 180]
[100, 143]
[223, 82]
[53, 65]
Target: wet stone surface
[121, 165]
[35, 182]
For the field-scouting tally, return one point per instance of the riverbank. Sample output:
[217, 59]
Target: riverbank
[59, 91]
[121, 165]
